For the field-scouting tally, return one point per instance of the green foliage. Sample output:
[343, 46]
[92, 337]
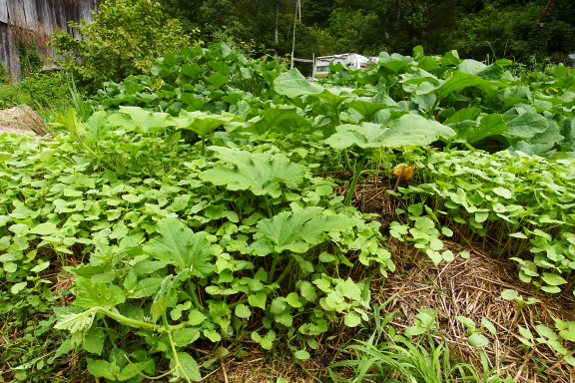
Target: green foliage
[132, 214]
[213, 80]
[557, 339]
[180, 242]
[418, 359]
[29, 59]
[124, 39]
[517, 201]
[39, 91]
[4, 75]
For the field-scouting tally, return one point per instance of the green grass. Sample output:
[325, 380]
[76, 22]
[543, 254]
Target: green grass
[45, 93]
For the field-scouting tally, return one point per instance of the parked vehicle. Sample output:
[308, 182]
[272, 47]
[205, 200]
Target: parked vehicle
[349, 60]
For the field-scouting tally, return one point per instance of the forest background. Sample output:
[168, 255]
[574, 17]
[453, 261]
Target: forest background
[526, 31]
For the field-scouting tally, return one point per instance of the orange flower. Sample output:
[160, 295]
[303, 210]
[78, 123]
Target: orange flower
[403, 171]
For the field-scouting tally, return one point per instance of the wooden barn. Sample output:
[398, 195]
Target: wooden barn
[25, 22]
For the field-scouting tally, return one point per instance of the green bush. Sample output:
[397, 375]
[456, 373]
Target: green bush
[124, 39]
[43, 92]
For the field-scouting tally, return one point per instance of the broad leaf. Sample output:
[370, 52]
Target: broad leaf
[140, 120]
[44, 228]
[466, 114]
[365, 108]
[283, 120]
[195, 102]
[200, 122]
[94, 341]
[336, 96]
[408, 130]
[220, 67]
[548, 137]
[553, 279]
[76, 322]
[181, 247]
[492, 72]
[97, 128]
[532, 150]
[394, 62]
[300, 230]
[100, 368]
[352, 319]
[90, 294]
[293, 84]
[193, 70]
[490, 125]
[257, 172]
[217, 79]
[460, 80]
[478, 340]
[526, 126]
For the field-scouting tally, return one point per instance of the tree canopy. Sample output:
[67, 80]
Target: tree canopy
[528, 31]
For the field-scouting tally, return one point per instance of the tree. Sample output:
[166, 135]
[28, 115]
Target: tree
[125, 38]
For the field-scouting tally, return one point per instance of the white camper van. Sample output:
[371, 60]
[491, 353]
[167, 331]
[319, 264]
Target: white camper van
[349, 60]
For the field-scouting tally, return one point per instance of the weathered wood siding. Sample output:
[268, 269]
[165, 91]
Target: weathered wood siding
[40, 16]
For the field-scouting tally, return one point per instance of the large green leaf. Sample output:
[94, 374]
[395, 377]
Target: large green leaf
[200, 122]
[293, 84]
[490, 125]
[97, 128]
[100, 368]
[217, 79]
[90, 294]
[394, 62]
[140, 120]
[187, 368]
[466, 114]
[181, 247]
[532, 150]
[220, 67]
[336, 96]
[526, 126]
[568, 131]
[550, 136]
[192, 100]
[257, 172]
[285, 120]
[459, 81]
[408, 130]
[193, 70]
[492, 72]
[299, 230]
[366, 108]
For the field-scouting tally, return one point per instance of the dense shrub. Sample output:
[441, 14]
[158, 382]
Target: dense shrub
[124, 39]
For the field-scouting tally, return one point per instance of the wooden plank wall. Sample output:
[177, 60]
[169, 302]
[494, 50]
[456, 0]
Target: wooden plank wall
[40, 16]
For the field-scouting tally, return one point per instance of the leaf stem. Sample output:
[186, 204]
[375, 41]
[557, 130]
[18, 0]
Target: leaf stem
[286, 271]
[124, 319]
[347, 162]
[435, 104]
[193, 295]
[234, 304]
[356, 174]
[268, 209]
[203, 146]
[173, 347]
[273, 269]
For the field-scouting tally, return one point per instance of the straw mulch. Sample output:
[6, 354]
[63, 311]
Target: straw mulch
[472, 288]
[22, 119]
